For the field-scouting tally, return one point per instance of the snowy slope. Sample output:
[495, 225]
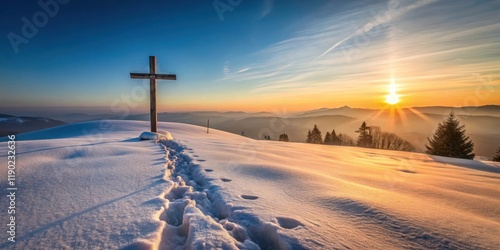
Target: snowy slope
[89, 189]
[98, 186]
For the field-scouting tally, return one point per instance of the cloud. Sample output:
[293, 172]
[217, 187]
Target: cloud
[359, 49]
[243, 70]
[225, 69]
[389, 14]
[268, 7]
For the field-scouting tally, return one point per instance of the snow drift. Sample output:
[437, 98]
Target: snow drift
[97, 185]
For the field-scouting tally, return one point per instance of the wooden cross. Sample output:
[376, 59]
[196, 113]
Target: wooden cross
[152, 76]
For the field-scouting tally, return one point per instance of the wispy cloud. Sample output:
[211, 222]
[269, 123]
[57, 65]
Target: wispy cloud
[225, 69]
[360, 49]
[243, 70]
[268, 7]
[390, 14]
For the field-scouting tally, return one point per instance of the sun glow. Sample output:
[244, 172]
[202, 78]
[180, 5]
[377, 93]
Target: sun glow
[392, 98]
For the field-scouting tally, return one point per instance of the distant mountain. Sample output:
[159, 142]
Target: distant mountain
[413, 124]
[20, 124]
[345, 110]
[200, 117]
[231, 114]
[487, 110]
[295, 127]
[81, 117]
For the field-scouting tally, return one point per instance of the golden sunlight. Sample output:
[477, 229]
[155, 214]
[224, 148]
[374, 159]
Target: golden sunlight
[392, 98]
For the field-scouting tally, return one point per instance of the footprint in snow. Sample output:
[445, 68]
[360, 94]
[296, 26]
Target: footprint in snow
[225, 179]
[249, 197]
[288, 223]
[407, 171]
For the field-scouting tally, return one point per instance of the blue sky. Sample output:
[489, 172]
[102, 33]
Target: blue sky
[262, 55]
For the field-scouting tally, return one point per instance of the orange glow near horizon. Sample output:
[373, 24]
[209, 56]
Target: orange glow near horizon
[402, 91]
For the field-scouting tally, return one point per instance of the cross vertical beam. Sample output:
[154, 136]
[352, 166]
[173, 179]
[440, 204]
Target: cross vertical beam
[152, 76]
[152, 94]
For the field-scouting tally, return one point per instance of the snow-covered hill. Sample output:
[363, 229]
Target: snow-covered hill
[96, 185]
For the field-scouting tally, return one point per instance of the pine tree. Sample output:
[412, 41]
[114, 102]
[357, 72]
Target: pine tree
[497, 155]
[336, 140]
[283, 137]
[309, 137]
[365, 137]
[450, 140]
[328, 139]
[316, 135]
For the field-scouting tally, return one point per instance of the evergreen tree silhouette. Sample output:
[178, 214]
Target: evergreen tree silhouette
[283, 137]
[497, 155]
[328, 139]
[364, 138]
[336, 140]
[450, 140]
[309, 137]
[316, 135]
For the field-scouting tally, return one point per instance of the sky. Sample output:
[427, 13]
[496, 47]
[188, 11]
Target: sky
[260, 55]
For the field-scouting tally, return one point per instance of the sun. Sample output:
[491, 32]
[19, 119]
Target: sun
[392, 98]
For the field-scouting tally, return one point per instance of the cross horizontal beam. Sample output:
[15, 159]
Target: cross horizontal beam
[153, 76]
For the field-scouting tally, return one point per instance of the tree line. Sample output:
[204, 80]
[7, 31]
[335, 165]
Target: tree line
[369, 137]
[314, 136]
[449, 139]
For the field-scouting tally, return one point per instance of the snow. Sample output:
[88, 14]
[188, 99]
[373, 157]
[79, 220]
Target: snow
[97, 185]
[12, 119]
[161, 135]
